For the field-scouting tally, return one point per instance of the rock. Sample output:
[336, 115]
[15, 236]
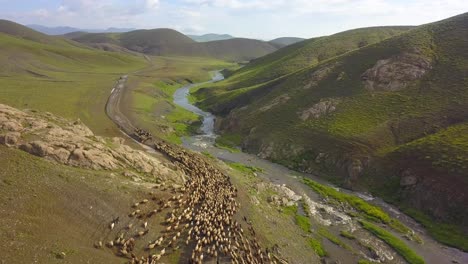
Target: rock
[10, 139]
[254, 200]
[61, 155]
[319, 75]
[396, 73]
[354, 169]
[40, 148]
[324, 107]
[118, 140]
[73, 143]
[77, 156]
[282, 99]
[11, 125]
[407, 178]
[319, 157]
[274, 199]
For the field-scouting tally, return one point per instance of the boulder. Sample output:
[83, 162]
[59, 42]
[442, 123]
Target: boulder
[10, 139]
[408, 178]
[324, 107]
[40, 148]
[11, 125]
[397, 72]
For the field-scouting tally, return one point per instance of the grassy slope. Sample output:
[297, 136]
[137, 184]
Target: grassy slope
[285, 41]
[299, 55]
[61, 77]
[59, 209]
[363, 125]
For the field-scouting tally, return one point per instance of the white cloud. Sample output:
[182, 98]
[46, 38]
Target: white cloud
[152, 4]
[250, 18]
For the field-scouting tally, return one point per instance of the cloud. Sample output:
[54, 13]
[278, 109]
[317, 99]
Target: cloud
[252, 18]
[152, 4]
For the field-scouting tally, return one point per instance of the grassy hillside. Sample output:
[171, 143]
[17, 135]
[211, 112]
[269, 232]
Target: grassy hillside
[58, 75]
[304, 54]
[237, 49]
[166, 42]
[285, 41]
[368, 114]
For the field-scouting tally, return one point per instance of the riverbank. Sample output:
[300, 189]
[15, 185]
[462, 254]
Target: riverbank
[430, 250]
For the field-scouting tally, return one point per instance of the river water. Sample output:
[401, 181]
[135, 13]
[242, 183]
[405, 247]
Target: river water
[431, 251]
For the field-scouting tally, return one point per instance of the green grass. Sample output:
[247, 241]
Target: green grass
[347, 234]
[398, 245]
[250, 170]
[449, 234]
[229, 142]
[332, 238]
[371, 211]
[303, 222]
[365, 261]
[209, 155]
[317, 246]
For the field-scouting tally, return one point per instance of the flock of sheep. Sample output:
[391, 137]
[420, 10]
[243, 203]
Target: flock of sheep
[199, 216]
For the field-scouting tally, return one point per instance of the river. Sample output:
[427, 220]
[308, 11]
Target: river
[431, 251]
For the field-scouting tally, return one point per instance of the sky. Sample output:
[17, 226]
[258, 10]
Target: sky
[261, 19]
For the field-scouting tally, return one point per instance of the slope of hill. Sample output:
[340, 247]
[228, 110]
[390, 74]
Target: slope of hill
[210, 37]
[170, 42]
[239, 49]
[285, 41]
[306, 53]
[17, 30]
[388, 117]
[59, 75]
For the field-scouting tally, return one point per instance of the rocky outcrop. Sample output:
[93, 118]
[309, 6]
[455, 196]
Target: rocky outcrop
[324, 107]
[282, 99]
[396, 73]
[318, 75]
[74, 144]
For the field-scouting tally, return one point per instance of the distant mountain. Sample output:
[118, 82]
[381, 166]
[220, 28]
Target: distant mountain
[210, 37]
[286, 41]
[165, 41]
[66, 30]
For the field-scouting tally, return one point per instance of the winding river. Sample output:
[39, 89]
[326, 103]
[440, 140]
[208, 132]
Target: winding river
[430, 250]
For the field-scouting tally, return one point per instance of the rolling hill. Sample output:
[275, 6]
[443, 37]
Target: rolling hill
[59, 75]
[210, 37]
[166, 42]
[368, 110]
[307, 53]
[285, 41]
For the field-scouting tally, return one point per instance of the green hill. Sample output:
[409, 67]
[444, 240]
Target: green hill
[59, 75]
[239, 49]
[165, 42]
[389, 117]
[20, 31]
[307, 53]
[285, 41]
